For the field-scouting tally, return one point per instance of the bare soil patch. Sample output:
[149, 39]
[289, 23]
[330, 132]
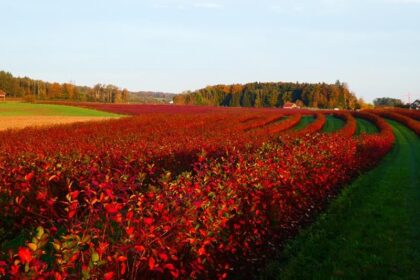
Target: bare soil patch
[19, 122]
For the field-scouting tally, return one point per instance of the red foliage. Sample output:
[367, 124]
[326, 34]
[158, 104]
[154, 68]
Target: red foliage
[168, 195]
[263, 122]
[25, 255]
[405, 120]
[288, 123]
[385, 130]
[350, 126]
[414, 114]
[376, 145]
[313, 127]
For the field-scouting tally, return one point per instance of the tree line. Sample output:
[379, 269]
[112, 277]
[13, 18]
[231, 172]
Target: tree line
[17, 87]
[389, 102]
[257, 94]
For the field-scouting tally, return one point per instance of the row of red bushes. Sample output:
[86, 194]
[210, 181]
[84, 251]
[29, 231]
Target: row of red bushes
[405, 120]
[350, 126]
[262, 122]
[385, 130]
[313, 127]
[286, 124]
[376, 142]
[414, 114]
[117, 200]
[95, 220]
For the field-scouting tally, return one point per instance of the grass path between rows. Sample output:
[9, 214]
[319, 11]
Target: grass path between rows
[305, 121]
[365, 126]
[333, 124]
[371, 231]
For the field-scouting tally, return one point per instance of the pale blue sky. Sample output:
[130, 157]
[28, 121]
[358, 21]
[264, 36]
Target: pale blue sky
[176, 45]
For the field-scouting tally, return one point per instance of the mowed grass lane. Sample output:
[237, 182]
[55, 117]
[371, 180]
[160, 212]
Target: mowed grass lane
[333, 124]
[305, 121]
[365, 126]
[371, 231]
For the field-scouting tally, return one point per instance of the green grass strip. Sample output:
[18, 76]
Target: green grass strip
[305, 121]
[365, 126]
[29, 109]
[333, 124]
[371, 231]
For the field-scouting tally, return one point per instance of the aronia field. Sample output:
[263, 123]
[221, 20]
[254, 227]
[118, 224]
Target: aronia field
[177, 192]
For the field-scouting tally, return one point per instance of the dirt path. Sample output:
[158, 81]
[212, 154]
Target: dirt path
[19, 122]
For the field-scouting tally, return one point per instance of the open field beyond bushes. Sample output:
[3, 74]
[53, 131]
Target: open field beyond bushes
[18, 115]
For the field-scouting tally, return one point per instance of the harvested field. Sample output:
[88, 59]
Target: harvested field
[19, 122]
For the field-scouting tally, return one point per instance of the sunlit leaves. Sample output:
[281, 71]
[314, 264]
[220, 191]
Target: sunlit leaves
[191, 197]
[25, 255]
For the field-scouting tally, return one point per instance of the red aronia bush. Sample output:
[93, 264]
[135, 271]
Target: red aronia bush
[408, 118]
[414, 114]
[350, 125]
[313, 127]
[187, 193]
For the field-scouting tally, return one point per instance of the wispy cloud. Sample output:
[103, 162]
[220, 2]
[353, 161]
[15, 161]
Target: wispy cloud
[303, 6]
[188, 4]
[208, 5]
[404, 1]
[286, 7]
[161, 6]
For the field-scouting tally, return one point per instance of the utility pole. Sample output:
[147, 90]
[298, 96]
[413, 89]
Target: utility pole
[408, 96]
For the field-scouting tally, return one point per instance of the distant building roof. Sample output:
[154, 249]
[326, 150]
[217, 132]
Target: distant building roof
[415, 104]
[2, 92]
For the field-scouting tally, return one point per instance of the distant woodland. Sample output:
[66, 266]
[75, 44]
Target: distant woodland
[31, 90]
[389, 102]
[256, 94]
[273, 95]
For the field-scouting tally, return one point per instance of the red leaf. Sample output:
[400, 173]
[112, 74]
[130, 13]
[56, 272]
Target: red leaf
[139, 248]
[74, 194]
[122, 258]
[72, 213]
[74, 257]
[29, 176]
[25, 255]
[123, 268]
[129, 230]
[102, 247]
[14, 269]
[163, 257]
[148, 221]
[113, 208]
[41, 195]
[175, 273]
[3, 264]
[130, 215]
[201, 251]
[151, 263]
[109, 275]
[169, 266]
